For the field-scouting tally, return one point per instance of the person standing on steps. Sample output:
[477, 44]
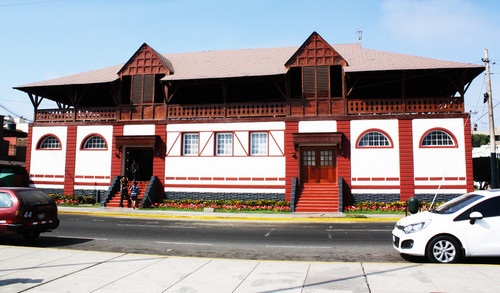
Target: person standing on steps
[134, 192]
[124, 191]
[134, 168]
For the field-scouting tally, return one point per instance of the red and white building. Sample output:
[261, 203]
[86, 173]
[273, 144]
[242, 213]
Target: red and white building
[317, 125]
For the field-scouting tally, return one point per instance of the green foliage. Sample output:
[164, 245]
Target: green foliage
[479, 140]
[72, 200]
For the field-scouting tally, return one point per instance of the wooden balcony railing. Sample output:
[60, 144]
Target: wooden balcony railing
[66, 115]
[407, 106]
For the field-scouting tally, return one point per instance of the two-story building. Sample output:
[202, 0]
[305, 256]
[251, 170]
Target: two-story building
[316, 124]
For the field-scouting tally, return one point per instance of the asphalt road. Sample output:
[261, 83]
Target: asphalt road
[302, 241]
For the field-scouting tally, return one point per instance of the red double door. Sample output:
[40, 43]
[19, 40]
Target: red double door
[318, 165]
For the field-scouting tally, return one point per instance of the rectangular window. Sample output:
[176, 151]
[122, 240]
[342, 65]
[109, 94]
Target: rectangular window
[136, 89]
[190, 144]
[258, 143]
[224, 144]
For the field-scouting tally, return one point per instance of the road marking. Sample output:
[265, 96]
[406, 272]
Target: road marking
[183, 243]
[83, 238]
[301, 247]
[358, 230]
[161, 226]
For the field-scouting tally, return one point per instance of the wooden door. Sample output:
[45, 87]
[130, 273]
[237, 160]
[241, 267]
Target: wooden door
[318, 165]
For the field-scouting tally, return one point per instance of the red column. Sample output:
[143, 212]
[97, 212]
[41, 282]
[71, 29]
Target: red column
[469, 170]
[159, 161]
[29, 143]
[344, 156]
[292, 164]
[69, 169]
[406, 167]
[116, 161]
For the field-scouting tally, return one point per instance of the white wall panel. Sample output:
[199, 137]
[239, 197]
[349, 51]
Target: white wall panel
[317, 126]
[93, 162]
[48, 162]
[142, 129]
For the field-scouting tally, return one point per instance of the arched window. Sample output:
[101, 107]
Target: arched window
[94, 142]
[374, 138]
[438, 138]
[49, 142]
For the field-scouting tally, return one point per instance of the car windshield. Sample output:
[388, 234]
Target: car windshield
[456, 204]
[31, 198]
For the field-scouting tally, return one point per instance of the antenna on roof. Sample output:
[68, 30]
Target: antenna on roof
[360, 33]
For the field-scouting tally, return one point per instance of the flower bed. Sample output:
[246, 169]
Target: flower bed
[227, 205]
[398, 207]
[72, 200]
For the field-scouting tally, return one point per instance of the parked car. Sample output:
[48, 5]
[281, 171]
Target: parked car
[468, 225]
[26, 211]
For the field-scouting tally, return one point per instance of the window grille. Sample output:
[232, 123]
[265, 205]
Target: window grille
[438, 138]
[374, 139]
[190, 144]
[258, 143]
[49, 143]
[94, 142]
[224, 144]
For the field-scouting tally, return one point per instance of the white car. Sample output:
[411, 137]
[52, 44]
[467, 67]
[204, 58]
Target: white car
[468, 225]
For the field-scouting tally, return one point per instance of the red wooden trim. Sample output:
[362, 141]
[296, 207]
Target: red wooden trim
[344, 155]
[421, 178]
[406, 167]
[79, 177]
[116, 162]
[453, 186]
[159, 161]
[69, 170]
[438, 146]
[169, 178]
[92, 183]
[291, 163]
[193, 178]
[90, 135]
[175, 141]
[469, 171]
[258, 179]
[232, 178]
[244, 179]
[180, 178]
[246, 152]
[48, 182]
[376, 187]
[378, 179]
[392, 178]
[29, 144]
[277, 144]
[363, 179]
[374, 147]
[246, 186]
[218, 178]
[41, 140]
[271, 179]
[205, 178]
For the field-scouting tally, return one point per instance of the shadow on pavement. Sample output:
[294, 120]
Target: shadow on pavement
[42, 241]
[468, 260]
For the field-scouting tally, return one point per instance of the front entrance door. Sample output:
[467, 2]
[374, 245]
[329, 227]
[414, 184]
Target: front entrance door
[318, 165]
[144, 161]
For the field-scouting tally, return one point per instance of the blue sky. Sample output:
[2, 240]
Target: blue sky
[43, 39]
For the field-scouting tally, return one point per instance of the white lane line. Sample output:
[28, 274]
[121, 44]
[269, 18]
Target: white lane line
[83, 238]
[358, 230]
[183, 243]
[299, 247]
[143, 225]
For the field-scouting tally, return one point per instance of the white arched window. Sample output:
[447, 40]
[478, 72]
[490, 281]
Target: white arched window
[49, 142]
[437, 138]
[94, 142]
[374, 138]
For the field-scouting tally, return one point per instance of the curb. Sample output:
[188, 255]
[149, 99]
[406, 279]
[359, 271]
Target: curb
[232, 218]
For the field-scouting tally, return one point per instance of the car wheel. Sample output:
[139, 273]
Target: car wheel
[31, 236]
[444, 249]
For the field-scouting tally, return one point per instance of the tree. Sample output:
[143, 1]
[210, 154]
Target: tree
[479, 140]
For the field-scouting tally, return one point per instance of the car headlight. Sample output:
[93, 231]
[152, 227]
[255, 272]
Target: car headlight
[412, 228]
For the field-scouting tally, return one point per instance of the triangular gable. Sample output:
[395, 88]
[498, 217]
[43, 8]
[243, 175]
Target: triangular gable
[146, 61]
[315, 52]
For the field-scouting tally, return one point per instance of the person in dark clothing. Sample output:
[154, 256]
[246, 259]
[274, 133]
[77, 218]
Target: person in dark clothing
[134, 169]
[124, 191]
[134, 193]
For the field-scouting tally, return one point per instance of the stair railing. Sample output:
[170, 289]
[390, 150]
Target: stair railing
[113, 188]
[151, 194]
[293, 199]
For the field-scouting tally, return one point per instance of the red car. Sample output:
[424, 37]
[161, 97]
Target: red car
[26, 211]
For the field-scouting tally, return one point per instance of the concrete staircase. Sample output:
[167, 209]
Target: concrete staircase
[115, 200]
[315, 198]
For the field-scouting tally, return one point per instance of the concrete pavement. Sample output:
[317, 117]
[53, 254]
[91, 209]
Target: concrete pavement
[24, 269]
[27, 269]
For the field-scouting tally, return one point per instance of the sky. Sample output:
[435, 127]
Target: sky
[44, 39]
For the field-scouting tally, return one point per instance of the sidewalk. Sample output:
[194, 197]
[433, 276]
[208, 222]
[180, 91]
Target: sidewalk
[155, 213]
[57, 270]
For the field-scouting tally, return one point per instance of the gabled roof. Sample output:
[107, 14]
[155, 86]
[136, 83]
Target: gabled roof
[260, 62]
[315, 52]
[146, 61]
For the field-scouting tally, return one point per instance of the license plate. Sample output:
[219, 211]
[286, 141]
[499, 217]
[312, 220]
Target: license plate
[41, 216]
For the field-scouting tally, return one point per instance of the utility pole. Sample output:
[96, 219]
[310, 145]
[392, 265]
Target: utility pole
[493, 152]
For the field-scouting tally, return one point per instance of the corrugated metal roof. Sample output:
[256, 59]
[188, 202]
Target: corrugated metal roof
[259, 62]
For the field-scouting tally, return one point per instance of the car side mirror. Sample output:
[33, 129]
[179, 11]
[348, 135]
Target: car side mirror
[475, 216]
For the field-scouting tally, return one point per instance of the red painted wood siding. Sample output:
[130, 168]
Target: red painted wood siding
[469, 171]
[406, 166]
[292, 164]
[344, 155]
[159, 162]
[69, 169]
[116, 163]
[29, 143]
